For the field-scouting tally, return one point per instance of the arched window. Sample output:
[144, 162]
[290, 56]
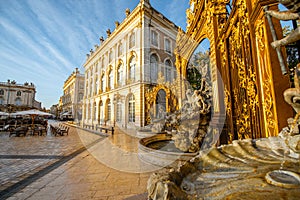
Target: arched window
[132, 68]
[18, 101]
[110, 79]
[119, 111]
[108, 110]
[120, 74]
[160, 104]
[168, 67]
[131, 108]
[18, 93]
[153, 67]
[1, 101]
[1, 92]
[131, 40]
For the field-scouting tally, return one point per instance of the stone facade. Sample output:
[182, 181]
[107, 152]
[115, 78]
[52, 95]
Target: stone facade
[71, 101]
[120, 70]
[14, 96]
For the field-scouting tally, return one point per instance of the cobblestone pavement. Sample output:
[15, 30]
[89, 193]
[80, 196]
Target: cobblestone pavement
[81, 165]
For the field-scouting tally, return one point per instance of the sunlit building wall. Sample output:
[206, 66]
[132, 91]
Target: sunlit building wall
[14, 96]
[125, 65]
[73, 95]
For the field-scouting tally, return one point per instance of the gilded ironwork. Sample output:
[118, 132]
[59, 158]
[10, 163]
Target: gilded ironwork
[266, 77]
[227, 101]
[150, 98]
[244, 70]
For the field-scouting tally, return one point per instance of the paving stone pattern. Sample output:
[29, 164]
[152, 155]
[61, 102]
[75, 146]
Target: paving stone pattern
[49, 167]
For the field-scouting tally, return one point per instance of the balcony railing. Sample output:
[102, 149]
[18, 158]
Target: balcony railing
[16, 84]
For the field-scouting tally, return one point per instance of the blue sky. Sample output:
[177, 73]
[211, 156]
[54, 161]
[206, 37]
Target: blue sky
[43, 41]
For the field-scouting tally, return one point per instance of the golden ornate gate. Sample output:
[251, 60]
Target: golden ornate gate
[246, 78]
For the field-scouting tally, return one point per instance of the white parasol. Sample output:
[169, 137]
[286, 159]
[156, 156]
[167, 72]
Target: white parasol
[32, 113]
[3, 113]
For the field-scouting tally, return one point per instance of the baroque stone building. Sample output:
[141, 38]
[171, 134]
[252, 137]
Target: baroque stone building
[15, 97]
[125, 65]
[71, 101]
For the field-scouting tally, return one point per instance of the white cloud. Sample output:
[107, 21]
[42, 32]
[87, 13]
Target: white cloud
[44, 41]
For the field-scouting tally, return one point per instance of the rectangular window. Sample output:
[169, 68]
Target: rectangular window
[120, 50]
[119, 76]
[131, 114]
[80, 96]
[154, 38]
[102, 83]
[110, 56]
[119, 112]
[131, 40]
[108, 112]
[168, 45]
[96, 85]
[81, 85]
[95, 111]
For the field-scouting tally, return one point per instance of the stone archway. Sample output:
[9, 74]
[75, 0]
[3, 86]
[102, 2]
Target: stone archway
[171, 101]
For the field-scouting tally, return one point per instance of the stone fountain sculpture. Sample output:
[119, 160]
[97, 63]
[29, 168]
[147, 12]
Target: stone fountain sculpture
[246, 169]
[189, 125]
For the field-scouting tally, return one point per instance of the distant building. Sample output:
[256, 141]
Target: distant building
[120, 70]
[15, 97]
[54, 110]
[73, 95]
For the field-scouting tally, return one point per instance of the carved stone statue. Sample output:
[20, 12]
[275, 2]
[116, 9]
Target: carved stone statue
[292, 95]
[238, 171]
[291, 14]
[189, 124]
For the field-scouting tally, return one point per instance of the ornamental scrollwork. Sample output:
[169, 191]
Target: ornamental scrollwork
[259, 32]
[266, 80]
[227, 101]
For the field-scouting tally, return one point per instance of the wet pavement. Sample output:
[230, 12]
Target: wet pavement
[82, 165]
